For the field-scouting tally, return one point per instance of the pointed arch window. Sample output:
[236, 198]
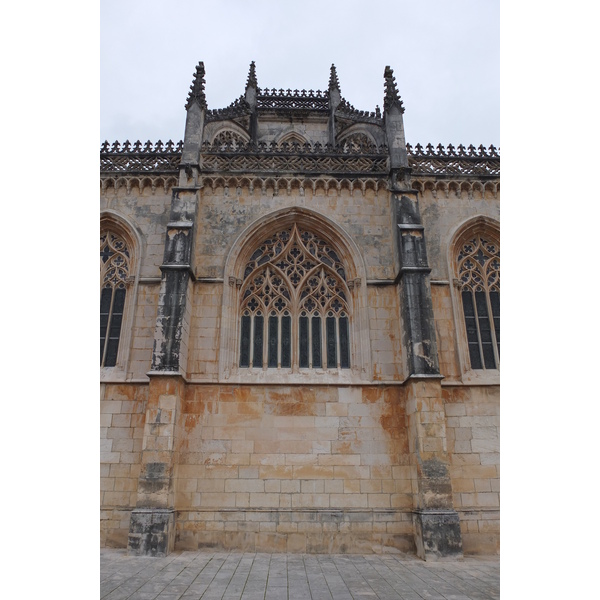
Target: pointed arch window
[479, 281]
[114, 270]
[295, 308]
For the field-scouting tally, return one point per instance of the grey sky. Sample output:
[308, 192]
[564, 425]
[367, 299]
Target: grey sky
[445, 57]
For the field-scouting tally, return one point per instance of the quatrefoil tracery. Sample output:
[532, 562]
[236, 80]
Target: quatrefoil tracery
[479, 265]
[295, 268]
[114, 261]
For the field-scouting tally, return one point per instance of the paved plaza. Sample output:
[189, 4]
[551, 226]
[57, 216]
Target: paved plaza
[250, 576]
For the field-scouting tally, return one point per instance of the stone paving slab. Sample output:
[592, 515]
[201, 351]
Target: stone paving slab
[252, 576]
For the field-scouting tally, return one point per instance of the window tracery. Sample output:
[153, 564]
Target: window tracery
[114, 271]
[479, 280]
[295, 308]
[356, 142]
[228, 140]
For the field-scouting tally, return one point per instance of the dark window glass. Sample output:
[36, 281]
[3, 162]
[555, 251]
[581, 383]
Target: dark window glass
[105, 298]
[303, 343]
[316, 342]
[344, 343]
[471, 325]
[485, 330]
[257, 360]
[114, 328]
[331, 343]
[273, 327]
[495, 302]
[245, 342]
[286, 341]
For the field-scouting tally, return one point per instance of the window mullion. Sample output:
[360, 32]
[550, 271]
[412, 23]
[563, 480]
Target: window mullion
[265, 345]
[338, 352]
[279, 327]
[310, 346]
[492, 327]
[480, 343]
[251, 360]
[324, 341]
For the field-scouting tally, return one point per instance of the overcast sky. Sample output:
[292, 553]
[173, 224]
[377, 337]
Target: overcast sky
[445, 57]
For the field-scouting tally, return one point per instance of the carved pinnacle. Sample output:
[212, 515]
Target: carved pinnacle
[251, 82]
[197, 88]
[334, 83]
[391, 91]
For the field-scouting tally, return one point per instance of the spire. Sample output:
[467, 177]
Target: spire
[334, 84]
[251, 97]
[251, 82]
[197, 88]
[391, 91]
[335, 98]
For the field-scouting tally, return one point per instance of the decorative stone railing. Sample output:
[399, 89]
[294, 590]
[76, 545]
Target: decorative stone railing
[231, 156]
[138, 158]
[288, 99]
[454, 161]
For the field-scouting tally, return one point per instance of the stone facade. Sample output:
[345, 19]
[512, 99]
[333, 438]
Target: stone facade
[288, 360]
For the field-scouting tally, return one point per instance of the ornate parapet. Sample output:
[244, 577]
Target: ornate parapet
[446, 170]
[140, 158]
[451, 162]
[348, 159]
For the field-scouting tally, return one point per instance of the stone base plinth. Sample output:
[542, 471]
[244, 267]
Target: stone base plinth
[302, 530]
[437, 534]
[151, 532]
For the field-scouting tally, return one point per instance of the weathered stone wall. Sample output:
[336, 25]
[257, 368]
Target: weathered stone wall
[445, 331]
[224, 213]
[144, 323]
[328, 465]
[441, 217]
[385, 333]
[122, 417]
[203, 358]
[472, 428]
[149, 213]
[299, 468]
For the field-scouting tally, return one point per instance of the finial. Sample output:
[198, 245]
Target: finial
[334, 84]
[251, 82]
[391, 91]
[197, 88]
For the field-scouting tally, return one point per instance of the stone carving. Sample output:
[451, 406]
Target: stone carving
[150, 157]
[355, 154]
[479, 265]
[114, 261]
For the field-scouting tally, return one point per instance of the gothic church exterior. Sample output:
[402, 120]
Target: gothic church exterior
[300, 339]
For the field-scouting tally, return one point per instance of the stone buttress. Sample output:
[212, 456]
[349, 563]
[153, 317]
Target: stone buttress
[437, 527]
[152, 529]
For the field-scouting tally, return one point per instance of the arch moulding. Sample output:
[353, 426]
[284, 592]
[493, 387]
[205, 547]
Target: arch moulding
[238, 256]
[472, 226]
[111, 220]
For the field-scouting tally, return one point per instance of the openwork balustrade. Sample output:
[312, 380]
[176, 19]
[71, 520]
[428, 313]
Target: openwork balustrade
[235, 156]
[138, 158]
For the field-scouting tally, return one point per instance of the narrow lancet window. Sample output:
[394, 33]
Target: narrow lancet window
[114, 271]
[479, 280]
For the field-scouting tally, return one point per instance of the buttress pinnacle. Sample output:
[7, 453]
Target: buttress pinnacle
[251, 82]
[391, 91]
[197, 88]
[334, 84]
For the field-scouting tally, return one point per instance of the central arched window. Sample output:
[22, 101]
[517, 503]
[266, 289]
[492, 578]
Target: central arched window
[295, 304]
